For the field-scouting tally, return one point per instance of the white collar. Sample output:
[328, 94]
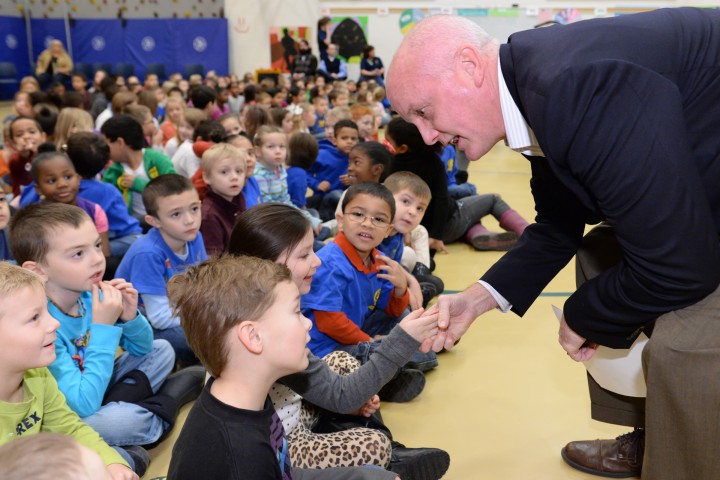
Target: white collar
[518, 134]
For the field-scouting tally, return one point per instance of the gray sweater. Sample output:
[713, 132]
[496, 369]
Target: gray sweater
[344, 394]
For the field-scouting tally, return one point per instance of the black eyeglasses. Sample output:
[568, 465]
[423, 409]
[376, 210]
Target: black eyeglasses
[359, 217]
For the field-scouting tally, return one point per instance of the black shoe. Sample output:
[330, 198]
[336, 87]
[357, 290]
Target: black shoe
[429, 291]
[407, 385]
[185, 385]
[140, 458]
[418, 463]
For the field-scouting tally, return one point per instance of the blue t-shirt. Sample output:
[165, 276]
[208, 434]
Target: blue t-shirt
[297, 186]
[251, 191]
[5, 254]
[393, 246]
[149, 262]
[330, 164]
[107, 196]
[449, 158]
[338, 286]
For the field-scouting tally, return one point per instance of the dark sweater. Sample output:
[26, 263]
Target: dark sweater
[428, 166]
[224, 442]
[218, 219]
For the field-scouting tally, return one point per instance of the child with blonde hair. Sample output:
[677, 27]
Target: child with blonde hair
[69, 121]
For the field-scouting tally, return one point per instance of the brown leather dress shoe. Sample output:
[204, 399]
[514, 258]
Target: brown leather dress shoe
[619, 458]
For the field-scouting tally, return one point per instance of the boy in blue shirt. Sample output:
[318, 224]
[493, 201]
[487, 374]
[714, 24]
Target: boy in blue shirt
[358, 294]
[120, 398]
[173, 244]
[327, 177]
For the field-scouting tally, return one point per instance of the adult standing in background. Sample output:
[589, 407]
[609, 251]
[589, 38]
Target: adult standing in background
[618, 118]
[54, 65]
[323, 36]
[371, 67]
[305, 62]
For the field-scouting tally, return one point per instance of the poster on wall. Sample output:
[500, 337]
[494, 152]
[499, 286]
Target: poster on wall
[409, 18]
[350, 34]
[284, 46]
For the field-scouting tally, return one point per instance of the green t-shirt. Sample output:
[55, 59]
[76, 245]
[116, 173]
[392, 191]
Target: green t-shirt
[44, 409]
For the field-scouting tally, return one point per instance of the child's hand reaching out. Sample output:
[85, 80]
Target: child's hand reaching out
[324, 186]
[129, 298]
[422, 326]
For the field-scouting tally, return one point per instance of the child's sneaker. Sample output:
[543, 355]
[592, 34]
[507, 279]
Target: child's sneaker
[140, 458]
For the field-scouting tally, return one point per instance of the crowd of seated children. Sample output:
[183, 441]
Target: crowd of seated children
[132, 165]
[125, 399]
[172, 244]
[234, 164]
[223, 170]
[448, 220]
[318, 438]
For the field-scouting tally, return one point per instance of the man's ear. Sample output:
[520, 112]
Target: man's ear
[249, 335]
[471, 63]
[152, 221]
[36, 268]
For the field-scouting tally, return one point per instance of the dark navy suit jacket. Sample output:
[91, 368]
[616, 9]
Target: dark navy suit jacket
[627, 112]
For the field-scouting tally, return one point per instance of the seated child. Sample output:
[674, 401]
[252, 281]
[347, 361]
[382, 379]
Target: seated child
[320, 103]
[223, 170]
[280, 233]
[448, 220]
[358, 294]
[133, 166]
[328, 175]
[412, 196]
[187, 123]
[121, 398]
[51, 455]
[185, 160]
[25, 136]
[455, 190]
[174, 243]
[174, 116]
[302, 152]
[57, 181]
[5, 254]
[233, 426]
[90, 154]
[34, 405]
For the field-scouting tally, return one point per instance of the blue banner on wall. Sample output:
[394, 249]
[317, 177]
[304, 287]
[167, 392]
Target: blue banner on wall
[150, 41]
[13, 44]
[97, 41]
[204, 42]
[171, 42]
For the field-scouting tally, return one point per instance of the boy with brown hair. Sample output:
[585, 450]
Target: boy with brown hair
[30, 401]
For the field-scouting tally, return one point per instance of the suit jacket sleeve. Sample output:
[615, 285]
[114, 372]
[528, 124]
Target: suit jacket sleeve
[616, 137]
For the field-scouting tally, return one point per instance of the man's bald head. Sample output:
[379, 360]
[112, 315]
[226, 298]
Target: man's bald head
[430, 47]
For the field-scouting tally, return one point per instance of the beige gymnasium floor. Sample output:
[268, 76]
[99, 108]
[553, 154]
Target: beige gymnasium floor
[507, 398]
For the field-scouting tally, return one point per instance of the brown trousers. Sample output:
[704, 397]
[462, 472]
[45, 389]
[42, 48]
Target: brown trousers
[682, 367]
